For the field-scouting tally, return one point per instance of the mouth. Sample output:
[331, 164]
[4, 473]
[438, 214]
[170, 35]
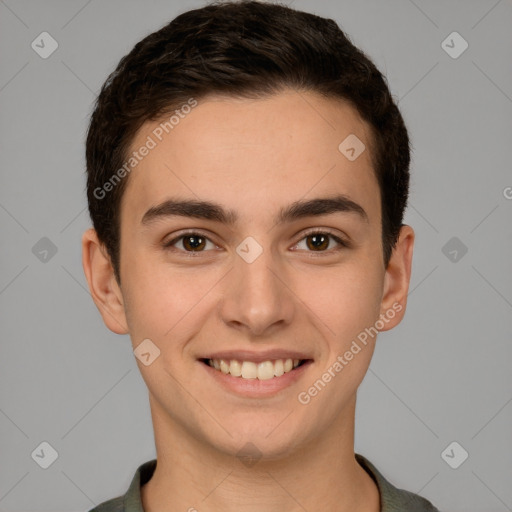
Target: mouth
[251, 370]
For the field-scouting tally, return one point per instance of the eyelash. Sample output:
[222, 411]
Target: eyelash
[343, 243]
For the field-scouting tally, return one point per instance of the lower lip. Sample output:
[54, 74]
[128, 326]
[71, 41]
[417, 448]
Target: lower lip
[255, 388]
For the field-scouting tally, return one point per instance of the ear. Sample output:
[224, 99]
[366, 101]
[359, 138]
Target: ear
[103, 286]
[397, 278]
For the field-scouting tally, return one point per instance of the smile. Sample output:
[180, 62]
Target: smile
[264, 370]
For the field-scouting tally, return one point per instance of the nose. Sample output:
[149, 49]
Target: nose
[257, 297]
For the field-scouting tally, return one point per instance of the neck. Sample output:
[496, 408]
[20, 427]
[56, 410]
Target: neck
[320, 474]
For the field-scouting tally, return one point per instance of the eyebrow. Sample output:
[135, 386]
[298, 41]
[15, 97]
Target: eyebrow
[213, 211]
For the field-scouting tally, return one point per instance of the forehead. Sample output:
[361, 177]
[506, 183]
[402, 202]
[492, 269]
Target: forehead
[253, 153]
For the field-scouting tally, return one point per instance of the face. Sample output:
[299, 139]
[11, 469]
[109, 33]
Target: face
[283, 263]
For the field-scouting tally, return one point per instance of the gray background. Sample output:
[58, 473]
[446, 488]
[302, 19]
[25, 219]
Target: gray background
[442, 375]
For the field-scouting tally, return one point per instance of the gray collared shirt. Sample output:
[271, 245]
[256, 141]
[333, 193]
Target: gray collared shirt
[391, 498]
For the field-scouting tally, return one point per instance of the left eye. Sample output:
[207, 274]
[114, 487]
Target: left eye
[319, 241]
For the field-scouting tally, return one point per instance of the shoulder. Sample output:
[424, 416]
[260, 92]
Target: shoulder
[392, 498]
[112, 505]
[131, 500]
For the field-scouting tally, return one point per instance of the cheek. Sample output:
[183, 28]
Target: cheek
[164, 304]
[346, 298]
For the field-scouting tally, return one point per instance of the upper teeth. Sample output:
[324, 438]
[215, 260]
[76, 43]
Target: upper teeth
[249, 370]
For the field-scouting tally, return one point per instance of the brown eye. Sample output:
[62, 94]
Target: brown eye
[189, 242]
[320, 241]
[317, 241]
[193, 243]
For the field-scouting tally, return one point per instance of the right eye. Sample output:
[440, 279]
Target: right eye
[191, 241]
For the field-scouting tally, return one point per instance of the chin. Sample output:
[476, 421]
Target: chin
[260, 440]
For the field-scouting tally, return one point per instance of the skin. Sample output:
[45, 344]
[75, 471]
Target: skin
[255, 157]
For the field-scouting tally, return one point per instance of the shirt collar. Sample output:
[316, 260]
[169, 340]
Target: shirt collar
[132, 500]
[391, 498]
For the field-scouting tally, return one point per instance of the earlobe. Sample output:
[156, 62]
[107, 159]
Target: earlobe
[102, 283]
[397, 279]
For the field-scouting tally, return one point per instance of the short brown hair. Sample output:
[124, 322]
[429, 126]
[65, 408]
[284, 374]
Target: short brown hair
[241, 49]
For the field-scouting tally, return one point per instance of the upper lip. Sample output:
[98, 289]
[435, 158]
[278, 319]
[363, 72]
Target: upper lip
[257, 357]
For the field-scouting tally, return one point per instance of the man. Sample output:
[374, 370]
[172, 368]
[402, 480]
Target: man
[248, 172]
